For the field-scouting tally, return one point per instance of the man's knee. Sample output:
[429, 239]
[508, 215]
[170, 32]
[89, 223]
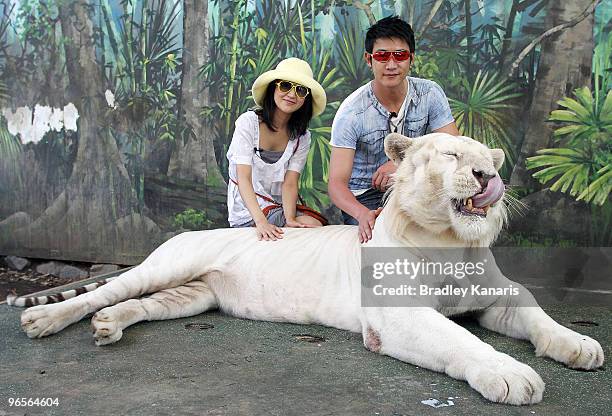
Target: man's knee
[348, 220]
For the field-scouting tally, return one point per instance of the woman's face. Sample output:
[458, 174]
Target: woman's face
[287, 102]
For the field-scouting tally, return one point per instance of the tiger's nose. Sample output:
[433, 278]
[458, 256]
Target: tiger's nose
[483, 178]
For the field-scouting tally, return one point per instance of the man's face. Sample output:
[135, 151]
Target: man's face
[392, 73]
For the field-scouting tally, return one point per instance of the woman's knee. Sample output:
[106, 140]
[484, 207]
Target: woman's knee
[308, 220]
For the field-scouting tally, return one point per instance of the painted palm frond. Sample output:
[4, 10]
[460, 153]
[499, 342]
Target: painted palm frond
[489, 41]
[285, 18]
[425, 66]
[584, 118]
[349, 52]
[452, 65]
[266, 58]
[481, 112]
[599, 190]
[316, 196]
[4, 94]
[583, 168]
[573, 171]
[320, 60]
[314, 177]
[569, 168]
[10, 146]
[141, 51]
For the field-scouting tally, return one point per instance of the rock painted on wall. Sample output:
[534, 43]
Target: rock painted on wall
[32, 125]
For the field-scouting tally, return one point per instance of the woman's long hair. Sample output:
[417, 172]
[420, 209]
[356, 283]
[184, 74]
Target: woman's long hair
[298, 123]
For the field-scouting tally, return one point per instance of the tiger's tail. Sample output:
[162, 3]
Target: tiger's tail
[27, 301]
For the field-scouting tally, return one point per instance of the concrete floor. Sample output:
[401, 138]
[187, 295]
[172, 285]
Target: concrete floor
[241, 367]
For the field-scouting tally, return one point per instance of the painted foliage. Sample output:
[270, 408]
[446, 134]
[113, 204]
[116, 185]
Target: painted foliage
[116, 115]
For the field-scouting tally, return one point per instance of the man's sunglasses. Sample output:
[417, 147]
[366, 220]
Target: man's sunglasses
[384, 56]
[286, 86]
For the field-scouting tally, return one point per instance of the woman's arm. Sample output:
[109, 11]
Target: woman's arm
[265, 230]
[290, 196]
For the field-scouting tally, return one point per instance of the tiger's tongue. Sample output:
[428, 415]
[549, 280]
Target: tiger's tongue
[492, 194]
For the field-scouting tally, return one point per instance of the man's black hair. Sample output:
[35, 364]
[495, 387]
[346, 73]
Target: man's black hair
[389, 27]
[298, 123]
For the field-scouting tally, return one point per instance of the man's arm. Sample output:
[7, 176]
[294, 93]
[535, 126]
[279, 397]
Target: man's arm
[340, 168]
[382, 177]
[440, 114]
[450, 128]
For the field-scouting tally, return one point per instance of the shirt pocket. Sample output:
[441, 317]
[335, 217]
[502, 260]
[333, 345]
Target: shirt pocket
[371, 148]
[415, 126]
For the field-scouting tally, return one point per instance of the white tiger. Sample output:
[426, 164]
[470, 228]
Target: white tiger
[446, 193]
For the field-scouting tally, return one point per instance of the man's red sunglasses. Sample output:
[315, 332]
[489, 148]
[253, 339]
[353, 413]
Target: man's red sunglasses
[384, 56]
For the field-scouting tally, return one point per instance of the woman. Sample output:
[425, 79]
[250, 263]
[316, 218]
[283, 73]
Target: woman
[269, 150]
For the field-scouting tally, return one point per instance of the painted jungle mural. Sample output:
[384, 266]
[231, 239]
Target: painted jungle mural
[116, 115]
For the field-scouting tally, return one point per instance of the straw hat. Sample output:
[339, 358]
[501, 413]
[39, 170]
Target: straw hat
[296, 70]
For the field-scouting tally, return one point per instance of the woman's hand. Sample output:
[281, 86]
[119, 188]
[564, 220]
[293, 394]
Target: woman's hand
[267, 231]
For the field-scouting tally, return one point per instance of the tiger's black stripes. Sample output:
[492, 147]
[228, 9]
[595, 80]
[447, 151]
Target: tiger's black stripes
[27, 301]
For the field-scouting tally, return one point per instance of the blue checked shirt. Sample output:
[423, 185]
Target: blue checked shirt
[361, 123]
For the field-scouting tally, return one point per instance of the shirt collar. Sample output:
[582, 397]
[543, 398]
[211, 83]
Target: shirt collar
[412, 97]
[412, 94]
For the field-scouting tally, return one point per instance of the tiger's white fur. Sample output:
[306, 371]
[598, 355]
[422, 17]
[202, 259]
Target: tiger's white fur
[313, 276]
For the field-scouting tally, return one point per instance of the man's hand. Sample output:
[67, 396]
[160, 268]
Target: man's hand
[366, 224]
[267, 231]
[382, 177]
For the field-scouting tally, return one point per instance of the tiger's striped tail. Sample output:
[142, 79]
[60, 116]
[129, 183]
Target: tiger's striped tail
[27, 301]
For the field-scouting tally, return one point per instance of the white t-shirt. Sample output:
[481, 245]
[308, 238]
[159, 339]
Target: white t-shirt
[267, 177]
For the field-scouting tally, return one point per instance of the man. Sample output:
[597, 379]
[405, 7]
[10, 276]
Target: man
[360, 172]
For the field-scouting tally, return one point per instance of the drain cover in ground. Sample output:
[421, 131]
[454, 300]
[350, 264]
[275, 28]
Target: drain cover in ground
[309, 338]
[585, 323]
[199, 326]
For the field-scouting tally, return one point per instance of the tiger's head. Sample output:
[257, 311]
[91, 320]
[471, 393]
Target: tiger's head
[446, 183]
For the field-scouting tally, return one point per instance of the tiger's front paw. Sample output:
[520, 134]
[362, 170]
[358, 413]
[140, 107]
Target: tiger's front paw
[502, 379]
[571, 348]
[43, 320]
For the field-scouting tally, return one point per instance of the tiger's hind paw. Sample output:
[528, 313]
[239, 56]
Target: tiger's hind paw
[106, 328]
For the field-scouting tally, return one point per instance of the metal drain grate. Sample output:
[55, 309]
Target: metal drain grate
[197, 326]
[315, 339]
[585, 323]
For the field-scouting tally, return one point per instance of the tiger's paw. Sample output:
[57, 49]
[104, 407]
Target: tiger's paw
[105, 327]
[43, 320]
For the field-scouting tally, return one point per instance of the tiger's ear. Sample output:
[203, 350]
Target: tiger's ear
[396, 146]
[498, 158]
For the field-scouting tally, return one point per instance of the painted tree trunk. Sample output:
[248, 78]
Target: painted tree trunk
[565, 64]
[95, 217]
[508, 35]
[468, 40]
[194, 158]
